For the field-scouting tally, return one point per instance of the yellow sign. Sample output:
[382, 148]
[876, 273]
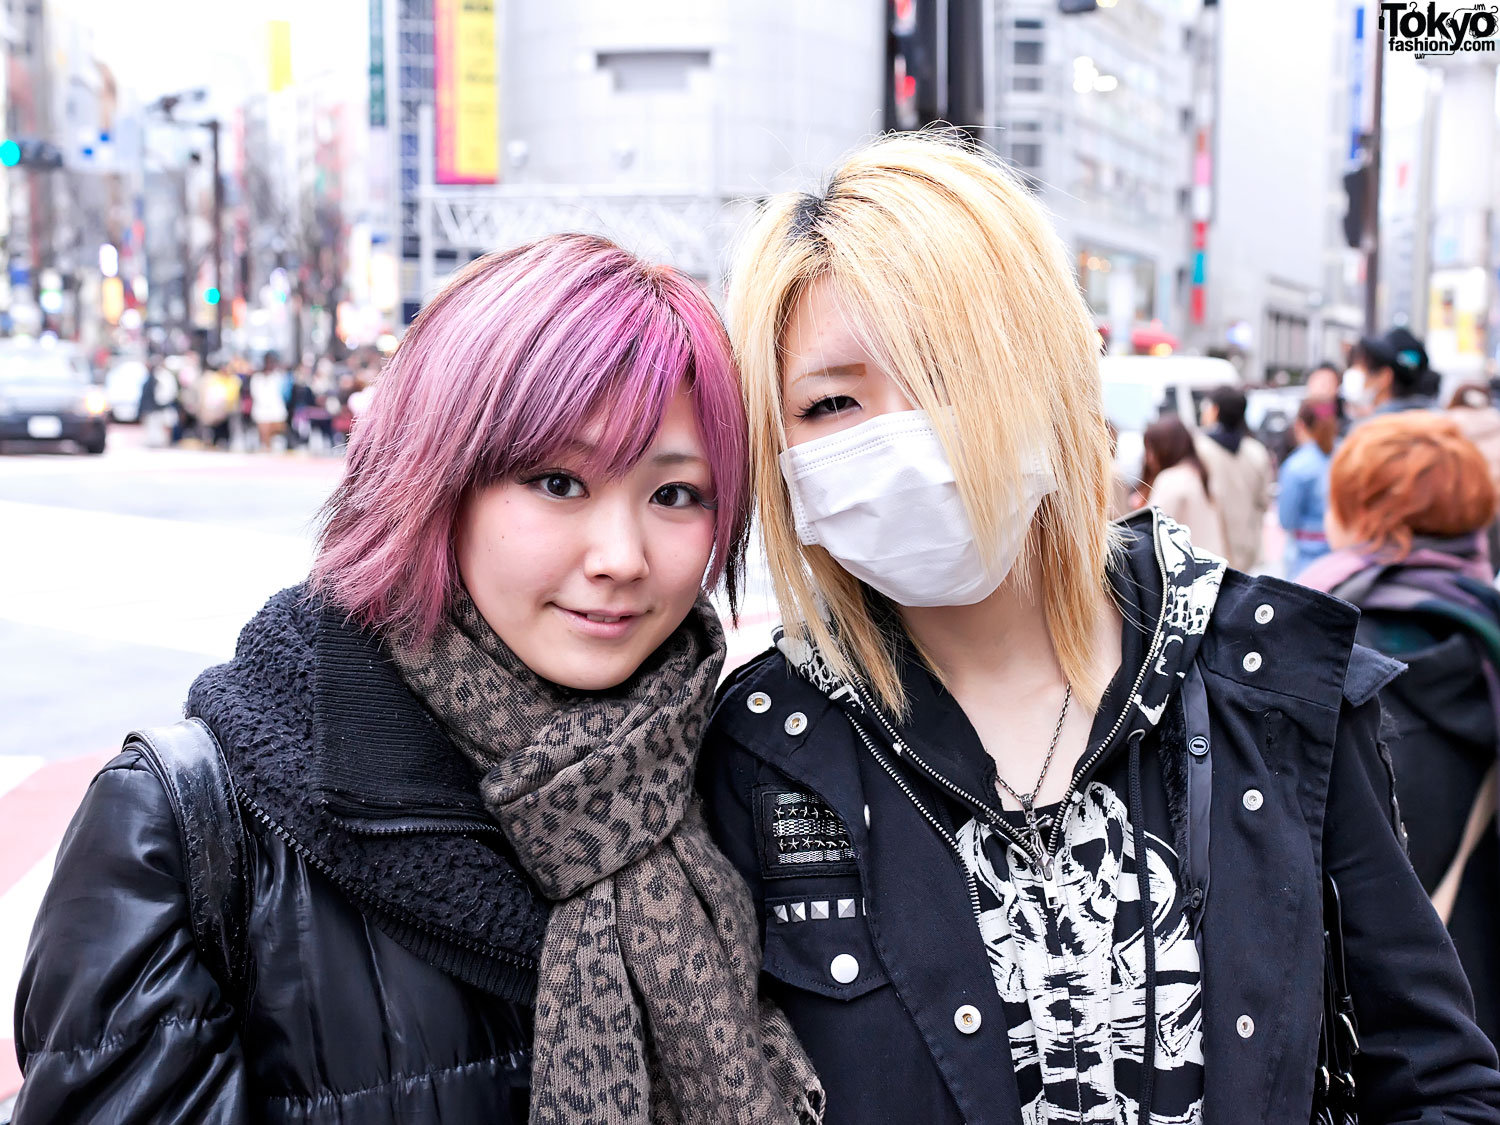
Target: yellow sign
[468, 95]
[280, 33]
[112, 299]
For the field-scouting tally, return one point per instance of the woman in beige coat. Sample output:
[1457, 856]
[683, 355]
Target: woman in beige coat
[1240, 474]
[1175, 482]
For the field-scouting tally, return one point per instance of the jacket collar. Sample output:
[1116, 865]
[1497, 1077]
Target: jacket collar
[378, 752]
[330, 751]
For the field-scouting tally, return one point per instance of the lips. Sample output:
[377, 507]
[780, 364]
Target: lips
[602, 617]
[601, 624]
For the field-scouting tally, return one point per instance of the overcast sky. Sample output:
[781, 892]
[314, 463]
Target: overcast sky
[159, 46]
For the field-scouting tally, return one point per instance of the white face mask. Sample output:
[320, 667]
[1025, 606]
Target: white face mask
[881, 499]
[1354, 387]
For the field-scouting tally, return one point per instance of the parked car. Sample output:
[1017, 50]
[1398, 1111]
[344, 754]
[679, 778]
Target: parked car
[46, 396]
[1138, 389]
[123, 384]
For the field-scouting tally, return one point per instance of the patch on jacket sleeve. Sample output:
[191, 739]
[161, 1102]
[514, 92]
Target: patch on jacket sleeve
[800, 835]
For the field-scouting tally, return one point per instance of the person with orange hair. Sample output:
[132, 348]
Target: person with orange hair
[1409, 499]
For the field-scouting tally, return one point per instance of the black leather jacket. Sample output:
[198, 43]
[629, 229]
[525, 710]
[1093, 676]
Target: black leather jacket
[379, 991]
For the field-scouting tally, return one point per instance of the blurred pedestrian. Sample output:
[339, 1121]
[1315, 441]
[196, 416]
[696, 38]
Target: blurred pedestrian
[218, 403]
[1174, 481]
[268, 398]
[1303, 497]
[1390, 374]
[300, 402]
[970, 786]
[479, 890]
[1326, 382]
[1241, 473]
[1472, 408]
[1409, 496]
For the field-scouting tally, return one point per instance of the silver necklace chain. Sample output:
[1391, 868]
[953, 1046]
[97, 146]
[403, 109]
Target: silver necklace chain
[1028, 803]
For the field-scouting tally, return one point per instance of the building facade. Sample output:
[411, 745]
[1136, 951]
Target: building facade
[656, 123]
[1096, 111]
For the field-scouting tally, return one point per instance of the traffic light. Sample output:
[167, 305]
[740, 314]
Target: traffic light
[211, 295]
[34, 154]
[1356, 186]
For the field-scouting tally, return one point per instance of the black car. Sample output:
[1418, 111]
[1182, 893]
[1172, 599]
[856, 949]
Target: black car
[46, 396]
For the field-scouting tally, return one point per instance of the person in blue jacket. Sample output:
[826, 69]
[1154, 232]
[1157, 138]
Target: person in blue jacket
[1044, 818]
[1302, 498]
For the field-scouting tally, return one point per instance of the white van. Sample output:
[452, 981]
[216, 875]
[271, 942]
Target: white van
[1138, 389]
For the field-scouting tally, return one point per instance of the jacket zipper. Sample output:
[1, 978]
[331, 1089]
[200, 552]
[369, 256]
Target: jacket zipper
[998, 824]
[514, 960]
[969, 881]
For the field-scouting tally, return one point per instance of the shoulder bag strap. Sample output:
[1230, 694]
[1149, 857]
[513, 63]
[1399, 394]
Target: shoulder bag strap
[1446, 892]
[190, 765]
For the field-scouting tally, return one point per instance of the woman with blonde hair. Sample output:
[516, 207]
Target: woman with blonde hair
[1039, 813]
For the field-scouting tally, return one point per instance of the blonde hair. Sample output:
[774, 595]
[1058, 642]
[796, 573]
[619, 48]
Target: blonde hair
[956, 283]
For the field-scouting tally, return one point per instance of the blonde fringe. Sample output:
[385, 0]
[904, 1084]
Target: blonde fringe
[957, 283]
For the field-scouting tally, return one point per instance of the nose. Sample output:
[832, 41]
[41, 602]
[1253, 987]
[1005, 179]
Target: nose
[617, 544]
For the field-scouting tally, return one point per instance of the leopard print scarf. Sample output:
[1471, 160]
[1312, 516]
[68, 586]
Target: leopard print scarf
[646, 1006]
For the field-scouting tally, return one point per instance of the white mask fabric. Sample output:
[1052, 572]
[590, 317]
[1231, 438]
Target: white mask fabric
[881, 498]
[1354, 387]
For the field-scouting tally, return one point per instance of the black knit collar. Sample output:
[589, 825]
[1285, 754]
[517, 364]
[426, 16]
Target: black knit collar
[330, 751]
[378, 753]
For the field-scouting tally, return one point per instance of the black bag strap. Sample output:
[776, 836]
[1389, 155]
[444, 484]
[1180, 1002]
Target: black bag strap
[190, 765]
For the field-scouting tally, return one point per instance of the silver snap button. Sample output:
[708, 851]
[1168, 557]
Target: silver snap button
[796, 723]
[1251, 662]
[759, 702]
[1264, 613]
[1253, 799]
[844, 969]
[867, 816]
[967, 1019]
[1245, 1026]
[1198, 746]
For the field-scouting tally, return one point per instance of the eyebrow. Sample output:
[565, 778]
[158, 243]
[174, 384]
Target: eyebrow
[837, 371]
[678, 457]
[666, 457]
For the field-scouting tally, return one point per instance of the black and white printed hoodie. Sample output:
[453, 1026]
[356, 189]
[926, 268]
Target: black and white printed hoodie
[941, 965]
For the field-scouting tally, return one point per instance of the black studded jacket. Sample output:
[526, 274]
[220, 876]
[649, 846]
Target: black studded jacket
[881, 968]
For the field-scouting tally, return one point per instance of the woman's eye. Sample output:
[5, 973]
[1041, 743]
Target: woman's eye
[560, 486]
[678, 496]
[828, 407]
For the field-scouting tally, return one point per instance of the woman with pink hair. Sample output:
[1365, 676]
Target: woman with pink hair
[426, 848]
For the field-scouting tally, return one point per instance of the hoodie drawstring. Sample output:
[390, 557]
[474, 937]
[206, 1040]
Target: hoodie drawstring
[1148, 927]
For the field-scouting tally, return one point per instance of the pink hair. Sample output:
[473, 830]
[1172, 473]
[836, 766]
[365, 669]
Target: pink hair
[499, 375]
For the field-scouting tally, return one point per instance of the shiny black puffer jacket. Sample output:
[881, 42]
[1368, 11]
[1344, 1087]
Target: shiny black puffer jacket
[391, 938]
